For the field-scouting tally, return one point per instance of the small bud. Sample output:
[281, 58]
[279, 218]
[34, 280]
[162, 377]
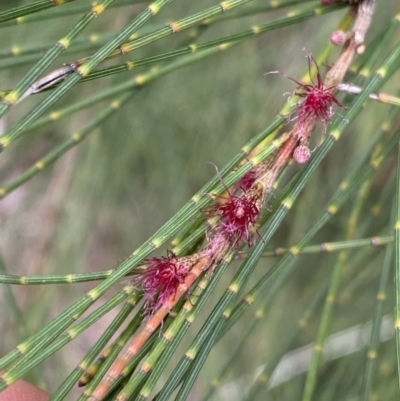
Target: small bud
[361, 48]
[301, 154]
[339, 38]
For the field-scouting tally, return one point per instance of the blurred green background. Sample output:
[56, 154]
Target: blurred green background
[106, 196]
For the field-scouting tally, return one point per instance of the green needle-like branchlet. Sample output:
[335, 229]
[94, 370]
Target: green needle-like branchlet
[397, 268]
[71, 380]
[198, 361]
[266, 373]
[21, 54]
[36, 6]
[277, 252]
[115, 350]
[292, 18]
[74, 140]
[381, 296]
[49, 345]
[330, 300]
[60, 12]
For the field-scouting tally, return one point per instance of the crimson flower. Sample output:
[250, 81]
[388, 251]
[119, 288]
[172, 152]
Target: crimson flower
[161, 278]
[236, 214]
[318, 98]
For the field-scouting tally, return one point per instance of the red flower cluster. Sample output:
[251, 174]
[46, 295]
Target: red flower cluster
[236, 215]
[318, 98]
[161, 279]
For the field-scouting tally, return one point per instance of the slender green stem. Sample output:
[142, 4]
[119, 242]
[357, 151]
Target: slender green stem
[10, 298]
[61, 12]
[266, 373]
[397, 268]
[323, 327]
[372, 353]
[55, 279]
[332, 293]
[277, 252]
[116, 348]
[258, 9]
[293, 17]
[75, 138]
[70, 381]
[332, 246]
[34, 7]
[51, 344]
[198, 362]
[334, 135]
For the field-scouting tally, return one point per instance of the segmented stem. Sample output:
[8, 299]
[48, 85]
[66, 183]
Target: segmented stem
[397, 269]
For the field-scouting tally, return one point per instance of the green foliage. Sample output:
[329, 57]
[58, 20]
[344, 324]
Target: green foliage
[93, 166]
